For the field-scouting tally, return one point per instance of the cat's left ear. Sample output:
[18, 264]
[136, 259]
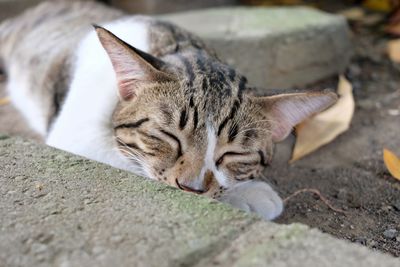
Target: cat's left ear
[287, 110]
[133, 67]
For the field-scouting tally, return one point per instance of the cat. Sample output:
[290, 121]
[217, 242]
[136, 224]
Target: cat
[148, 97]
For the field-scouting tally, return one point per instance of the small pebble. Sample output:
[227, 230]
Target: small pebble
[361, 240]
[396, 205]
[342, 194]
[394, 112]
[390, 233]
[387, 208]
[371, 243]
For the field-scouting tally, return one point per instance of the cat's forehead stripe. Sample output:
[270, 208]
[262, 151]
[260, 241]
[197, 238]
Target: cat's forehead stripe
[242, 87]
[200, 62]
[232, 74]
[231, 115]
[183, 119]
[195, 118]
[188, 69]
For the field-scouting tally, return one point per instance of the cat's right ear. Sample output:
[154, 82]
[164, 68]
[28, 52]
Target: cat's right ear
[133, 67]
[287, 110]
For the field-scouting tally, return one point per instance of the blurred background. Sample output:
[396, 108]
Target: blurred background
[11, 7]
[350, 170]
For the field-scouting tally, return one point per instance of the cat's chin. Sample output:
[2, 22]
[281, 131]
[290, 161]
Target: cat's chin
[254, 196]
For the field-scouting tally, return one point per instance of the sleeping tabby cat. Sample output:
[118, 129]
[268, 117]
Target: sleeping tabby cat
[148, 97]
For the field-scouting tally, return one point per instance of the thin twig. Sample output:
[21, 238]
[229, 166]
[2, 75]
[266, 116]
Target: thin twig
[316, 192]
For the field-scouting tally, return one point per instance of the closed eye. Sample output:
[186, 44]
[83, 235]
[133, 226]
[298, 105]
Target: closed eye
[176, 139]
[229, 153]
[135, 124]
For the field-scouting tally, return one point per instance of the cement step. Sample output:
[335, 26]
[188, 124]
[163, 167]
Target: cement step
[274, 47]
[58, 209]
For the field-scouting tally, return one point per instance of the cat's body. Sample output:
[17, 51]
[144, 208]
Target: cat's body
[165, 108]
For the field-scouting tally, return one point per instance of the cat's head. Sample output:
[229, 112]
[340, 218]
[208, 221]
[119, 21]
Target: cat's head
[190, 123]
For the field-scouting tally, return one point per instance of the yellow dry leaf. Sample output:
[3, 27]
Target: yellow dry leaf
[324, 127]
[354, 13]
[393, 50]
[392, 163]
[379, 5]
[4, 101]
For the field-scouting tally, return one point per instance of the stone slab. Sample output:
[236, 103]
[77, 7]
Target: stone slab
[294, 245]
[274, 47]
[164, 6]
[57, 209]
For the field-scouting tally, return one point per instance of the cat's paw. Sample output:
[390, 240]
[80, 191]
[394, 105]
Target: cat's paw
[254, 196]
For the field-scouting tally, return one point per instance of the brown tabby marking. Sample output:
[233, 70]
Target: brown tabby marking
[184, 117]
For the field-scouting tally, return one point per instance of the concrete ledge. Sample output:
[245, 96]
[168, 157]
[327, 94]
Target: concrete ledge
[58, 209]
[274, 47]
[163, 6]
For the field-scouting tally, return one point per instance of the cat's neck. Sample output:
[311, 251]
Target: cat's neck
[84, 125]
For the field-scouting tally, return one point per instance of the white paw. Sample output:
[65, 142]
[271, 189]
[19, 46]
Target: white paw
[254, 196]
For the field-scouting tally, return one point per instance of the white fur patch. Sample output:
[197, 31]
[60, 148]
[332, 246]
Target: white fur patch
[19, 89]
[255, 196]
[84, 124]
[209, 162]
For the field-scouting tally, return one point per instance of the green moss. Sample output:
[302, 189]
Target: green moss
[250, 20]
[4, 136]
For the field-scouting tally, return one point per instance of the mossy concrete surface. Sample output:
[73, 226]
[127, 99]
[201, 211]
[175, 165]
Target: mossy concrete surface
[62, 210]
[57, 209]
[274, 47]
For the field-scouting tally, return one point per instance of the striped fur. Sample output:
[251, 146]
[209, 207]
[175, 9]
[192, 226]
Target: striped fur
[183, 116]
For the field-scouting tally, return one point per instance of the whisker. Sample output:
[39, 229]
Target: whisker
[251, 129]
[256, 122]
[137, 157]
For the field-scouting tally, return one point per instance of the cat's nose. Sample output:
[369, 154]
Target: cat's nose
[188, 188]
[200, 185]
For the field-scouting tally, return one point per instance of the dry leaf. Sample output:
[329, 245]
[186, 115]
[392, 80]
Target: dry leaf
[393, 50]
[393, 29]
[358, 14]
[354, 13]
[393, 26]
[380, 5]
[4, 101]
[327, 125]
[392, 163]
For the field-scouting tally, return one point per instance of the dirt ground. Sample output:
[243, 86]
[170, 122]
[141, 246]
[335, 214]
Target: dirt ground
[349, 172]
